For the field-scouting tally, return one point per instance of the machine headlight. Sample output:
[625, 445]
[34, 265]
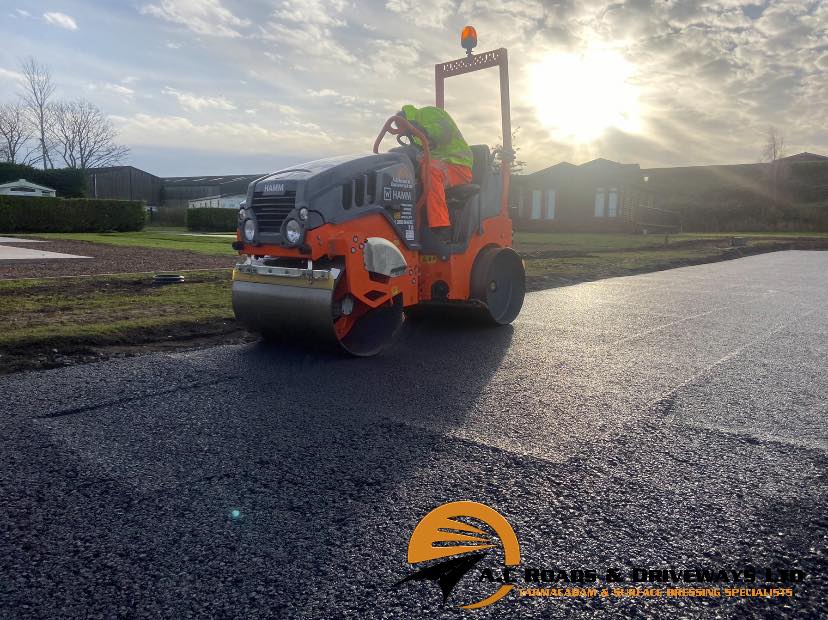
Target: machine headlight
[303, 213]
[242, 215]
[249, 229]
[293, 231]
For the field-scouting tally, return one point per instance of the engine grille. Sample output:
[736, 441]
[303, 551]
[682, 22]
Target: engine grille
[271, 211]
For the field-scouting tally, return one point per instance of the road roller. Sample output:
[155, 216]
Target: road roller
[340, 250]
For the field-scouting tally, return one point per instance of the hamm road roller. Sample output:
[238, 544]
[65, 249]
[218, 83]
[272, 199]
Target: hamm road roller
[340, 249]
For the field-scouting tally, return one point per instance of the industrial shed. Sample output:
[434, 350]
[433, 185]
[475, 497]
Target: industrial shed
[179, 191]
[124, 183]
[130, 183]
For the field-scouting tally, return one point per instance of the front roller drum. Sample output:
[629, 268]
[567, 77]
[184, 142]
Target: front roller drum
[306, 315]
[499, 282]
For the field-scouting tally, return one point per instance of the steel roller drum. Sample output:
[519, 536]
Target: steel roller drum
[293, 309]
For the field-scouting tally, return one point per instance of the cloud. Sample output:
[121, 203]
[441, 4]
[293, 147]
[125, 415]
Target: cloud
[193, 102]
[205, 17]
[117, 89]
[321, 12]
[237, 137]
[308, 28]
[61, 20]
[708, 76]
[429, 13]
[9, 74]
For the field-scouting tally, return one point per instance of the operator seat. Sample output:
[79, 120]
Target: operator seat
[458, 196]
[463, 210]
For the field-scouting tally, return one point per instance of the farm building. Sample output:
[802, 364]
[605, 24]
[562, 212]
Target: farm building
[130, 183]
[598, 196]
[22, 187]
[124, 183]
[179, 191]
[798, 178]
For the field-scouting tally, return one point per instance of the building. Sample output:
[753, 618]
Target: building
[130, 183]
[217, 202]
[799, 178]
[179, 191]
[598, 196]
[22, 187]
[124, 183]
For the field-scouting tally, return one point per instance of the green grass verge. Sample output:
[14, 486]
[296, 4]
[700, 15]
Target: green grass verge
[219, 244]
[609, 264]
[160, 238]
[103, 309]
[598, 242]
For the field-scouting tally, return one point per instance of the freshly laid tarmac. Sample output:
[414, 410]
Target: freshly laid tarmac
[674, 419]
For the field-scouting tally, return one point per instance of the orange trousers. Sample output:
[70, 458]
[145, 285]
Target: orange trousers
[442, 176]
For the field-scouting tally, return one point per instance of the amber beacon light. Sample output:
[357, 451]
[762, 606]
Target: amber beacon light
[468, 39]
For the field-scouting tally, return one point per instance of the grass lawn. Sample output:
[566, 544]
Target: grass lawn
[64, 313]
[598, 242]
[162, 238]
[525, 242]
[552, 259]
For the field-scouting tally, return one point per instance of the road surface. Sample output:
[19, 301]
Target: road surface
[674, 419]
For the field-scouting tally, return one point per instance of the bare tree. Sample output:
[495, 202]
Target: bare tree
[38, 96]
[774, 145]
[773, 151]
[517, 166]
[84, 137]
[16, 133]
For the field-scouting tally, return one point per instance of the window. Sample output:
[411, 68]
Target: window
[612, 207]
[536, 204]
[599, 202]
[550, 204]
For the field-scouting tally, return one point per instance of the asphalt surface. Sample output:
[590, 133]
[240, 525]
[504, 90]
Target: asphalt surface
[670, 419]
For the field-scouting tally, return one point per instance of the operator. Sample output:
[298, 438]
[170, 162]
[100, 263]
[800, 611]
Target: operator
[451, 160]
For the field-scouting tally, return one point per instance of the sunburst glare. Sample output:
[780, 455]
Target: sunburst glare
[579, 96]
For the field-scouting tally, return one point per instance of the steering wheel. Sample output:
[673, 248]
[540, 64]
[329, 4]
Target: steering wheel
[400, 141]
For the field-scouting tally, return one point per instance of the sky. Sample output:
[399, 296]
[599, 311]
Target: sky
[232, 86]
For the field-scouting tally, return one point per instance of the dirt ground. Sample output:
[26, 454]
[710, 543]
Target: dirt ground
[168, 339]
[107, 259]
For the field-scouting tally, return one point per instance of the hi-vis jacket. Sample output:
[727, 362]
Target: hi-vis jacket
[439, 126]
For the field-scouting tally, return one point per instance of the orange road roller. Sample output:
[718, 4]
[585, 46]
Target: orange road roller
[339, 249]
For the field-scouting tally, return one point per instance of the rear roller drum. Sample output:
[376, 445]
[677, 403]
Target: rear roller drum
[499, 282]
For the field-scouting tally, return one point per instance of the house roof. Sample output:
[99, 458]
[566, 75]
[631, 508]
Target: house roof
[804, 156]
[27, 183]
[606, 163]
[565, 166]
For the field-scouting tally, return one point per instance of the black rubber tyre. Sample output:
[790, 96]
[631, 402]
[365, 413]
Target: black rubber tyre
[499, 282]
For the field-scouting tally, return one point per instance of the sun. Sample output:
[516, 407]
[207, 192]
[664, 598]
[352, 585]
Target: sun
[579, 96]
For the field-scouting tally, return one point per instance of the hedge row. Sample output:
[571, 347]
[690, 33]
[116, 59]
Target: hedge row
[212, 219]
[68, 182]
[19, 214]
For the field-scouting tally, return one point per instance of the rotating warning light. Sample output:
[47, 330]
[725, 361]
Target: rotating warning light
[468, 39]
